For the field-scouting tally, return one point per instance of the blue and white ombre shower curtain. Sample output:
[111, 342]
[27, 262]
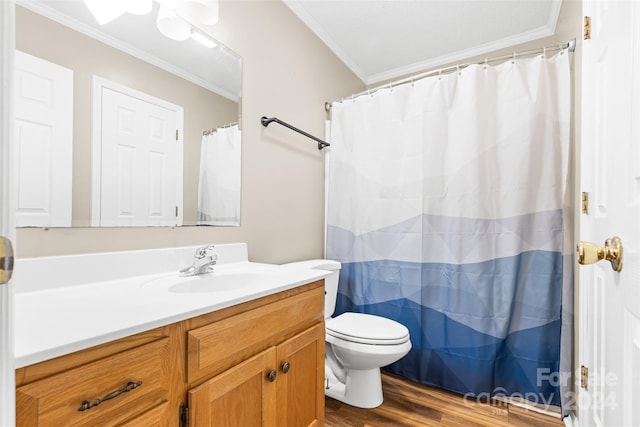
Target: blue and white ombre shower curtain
[448, 208]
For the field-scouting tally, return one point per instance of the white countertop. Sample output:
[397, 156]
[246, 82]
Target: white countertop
[50, 322]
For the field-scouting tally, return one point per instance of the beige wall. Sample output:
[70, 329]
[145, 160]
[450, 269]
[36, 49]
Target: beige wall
[87, 57]
[288, 73]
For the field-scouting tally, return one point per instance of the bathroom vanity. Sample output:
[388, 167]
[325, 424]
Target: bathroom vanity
[244, 355]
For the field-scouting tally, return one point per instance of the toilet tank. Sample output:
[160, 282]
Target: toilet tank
[330, 282]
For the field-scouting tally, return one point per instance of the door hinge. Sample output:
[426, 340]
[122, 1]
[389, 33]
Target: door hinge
[585, 202]
[584, 377]
[184, 415]
[587, 27]
[176, 134]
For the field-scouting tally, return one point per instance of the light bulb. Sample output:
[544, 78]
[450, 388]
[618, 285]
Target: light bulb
[203, 11]
[139, 7]
[172, 26]
[106, 11]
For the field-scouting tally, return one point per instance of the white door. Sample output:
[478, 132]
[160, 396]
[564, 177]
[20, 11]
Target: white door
[7, 383]
[140, 159]
[609, 334]
[43, 136]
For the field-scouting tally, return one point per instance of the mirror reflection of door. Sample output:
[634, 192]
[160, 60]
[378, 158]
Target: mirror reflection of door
[137, 158]
[43, 99]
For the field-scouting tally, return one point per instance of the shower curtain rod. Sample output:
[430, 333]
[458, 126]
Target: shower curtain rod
[209, 132]
[267, 120]
[570, 45]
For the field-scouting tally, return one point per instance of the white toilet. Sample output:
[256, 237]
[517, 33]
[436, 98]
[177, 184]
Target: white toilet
[357, 345]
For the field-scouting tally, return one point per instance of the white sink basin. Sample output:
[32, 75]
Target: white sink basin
[220, 280]
[213, 282]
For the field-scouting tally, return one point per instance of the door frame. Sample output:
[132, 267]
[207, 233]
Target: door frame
[7, 205]
[100, 83]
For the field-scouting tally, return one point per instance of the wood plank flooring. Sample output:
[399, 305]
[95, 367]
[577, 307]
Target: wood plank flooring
[412, 404]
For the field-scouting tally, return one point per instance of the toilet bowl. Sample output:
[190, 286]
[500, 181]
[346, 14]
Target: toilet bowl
[357, 345]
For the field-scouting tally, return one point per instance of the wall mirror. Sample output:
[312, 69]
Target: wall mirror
[120, 125]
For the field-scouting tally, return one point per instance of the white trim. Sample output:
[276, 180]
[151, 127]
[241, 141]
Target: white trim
[318, 30]
[7, 208]
[571, 420]
[461, 55]
[548, 410]
[554, 15]
[100, 83]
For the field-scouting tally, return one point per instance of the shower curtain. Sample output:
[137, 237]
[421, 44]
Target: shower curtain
[219, 186]
[448, 208]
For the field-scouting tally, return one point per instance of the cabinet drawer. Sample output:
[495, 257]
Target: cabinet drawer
[151, 418]
[220, 345]
[56, 400]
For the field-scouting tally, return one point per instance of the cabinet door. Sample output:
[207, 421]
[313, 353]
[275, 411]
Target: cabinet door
[241, 396]
[300, 383]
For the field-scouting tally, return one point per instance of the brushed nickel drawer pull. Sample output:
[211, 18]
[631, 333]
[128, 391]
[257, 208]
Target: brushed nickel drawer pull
[90, 404]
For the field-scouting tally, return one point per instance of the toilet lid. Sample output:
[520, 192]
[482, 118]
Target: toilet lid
[367, 329]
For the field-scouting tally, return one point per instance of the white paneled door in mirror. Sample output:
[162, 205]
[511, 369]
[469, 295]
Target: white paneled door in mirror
[43, 99]
[137, 158]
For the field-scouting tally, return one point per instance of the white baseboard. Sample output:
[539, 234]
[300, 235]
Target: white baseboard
[571, 420]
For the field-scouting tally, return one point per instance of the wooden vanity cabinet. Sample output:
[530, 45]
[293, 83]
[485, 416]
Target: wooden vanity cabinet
[281, 386]
[255, 363]
[263, 366]
[99, 387]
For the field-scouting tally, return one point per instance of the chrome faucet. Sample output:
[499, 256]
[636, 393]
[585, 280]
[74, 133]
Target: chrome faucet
[203, 261]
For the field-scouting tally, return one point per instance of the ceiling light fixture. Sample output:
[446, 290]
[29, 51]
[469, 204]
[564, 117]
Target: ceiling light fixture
[170, 21]
[203, 11]
[106, 11]
[139, 7]
[172, 26]
[203, 40]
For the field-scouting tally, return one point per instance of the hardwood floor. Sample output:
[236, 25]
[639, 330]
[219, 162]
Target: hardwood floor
[411, 404]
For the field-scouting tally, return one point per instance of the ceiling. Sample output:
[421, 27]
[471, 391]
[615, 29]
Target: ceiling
[380, 40]
[218, 69]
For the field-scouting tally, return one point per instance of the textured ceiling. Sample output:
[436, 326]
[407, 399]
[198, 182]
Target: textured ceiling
[384, 39]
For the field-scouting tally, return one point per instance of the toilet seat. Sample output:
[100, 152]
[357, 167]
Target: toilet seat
[367, 329]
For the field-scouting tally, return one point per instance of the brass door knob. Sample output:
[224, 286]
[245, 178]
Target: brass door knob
[589, 253]
[271, 375]
[285, 367]
[6, 260]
